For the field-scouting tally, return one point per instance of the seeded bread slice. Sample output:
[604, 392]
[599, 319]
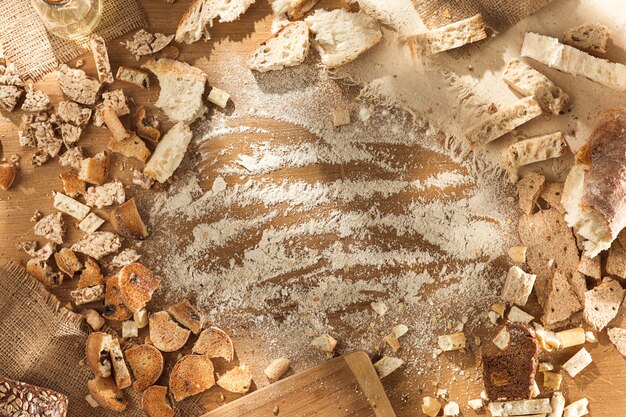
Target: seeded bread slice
[36, 100]
[215, 343]
[287, 48]
[448, 37]
[165, 334]
[101, 58]
[602, 303]
[154, 402]
[187, 315]
[107, 394]
[146, 361]
[77, 86]
[589, 37]
[97, 353]
[191, 375]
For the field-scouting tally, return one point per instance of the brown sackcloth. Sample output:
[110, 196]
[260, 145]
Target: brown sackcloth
[36, 52]
[42, 343]
[498, 14]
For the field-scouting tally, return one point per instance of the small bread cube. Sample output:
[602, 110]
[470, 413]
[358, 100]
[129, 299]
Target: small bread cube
[386, 365]
[430, 406]
[129, 329]
[517, 315]
[518, 286]
[219, 97]
[141, 318]
[91, 223]
[93, 319]
[341, 117]
[324, 343]
[577, 363]
[475, 404]
[552, 380]
[518, 254]
[502, 339]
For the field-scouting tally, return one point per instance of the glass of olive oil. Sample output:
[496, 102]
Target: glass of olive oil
[70, 19]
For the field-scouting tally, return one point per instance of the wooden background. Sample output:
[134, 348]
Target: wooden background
[603, 383]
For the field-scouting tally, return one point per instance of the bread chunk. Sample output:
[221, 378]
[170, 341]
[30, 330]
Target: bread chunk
[137, 283]
[187, 315]
[201, 14]
[106, 393]
[36, 100]
[116, 100]
[101, 58]
[237, 380]
[130, 147]
[146, 125]
[91, 275]
[127, 221]
[98, 244]
[95, 170]
[114, 307]
[120, 370]
[154, 402]
[88, 295]
[105, 195]
[67, 262]
[72, 185]
[215, 343]
[133, 76]
[52, 227]
[287, 48]
[146, 43]
[602, 303]
[146, 361]
[448, 37]
[517, 286]
[169, 153]
[588, 37]
[8, 173]
[165, 334]
[43, 272]
[295, 9]
[97, 353]
[561, 302]
[77, 86]
[528, 190]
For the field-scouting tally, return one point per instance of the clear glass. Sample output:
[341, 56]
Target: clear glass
[70, 19]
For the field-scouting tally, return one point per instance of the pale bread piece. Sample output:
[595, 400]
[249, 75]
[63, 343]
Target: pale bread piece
[146, 125]
[324, 343]
[182, 88]
[88, 295]
[237, 380]
[214, 343]
[95, 170]
[67, 261]
[448, 37]
[286, 48]
[72, 158]
[146, 361]
[106, 393]
[537, 149]
[43, 272]
[127, 221]
[70, 206]
[295, 9]
[137, 283]
[617, 336]
[201, 14]
[528, 190]
[517, 286]
[120, 370]
[97, 353]
[169, 153]
[91, 223]
[218, 97]
[91, 275]
[133, 76]
[186, 315]
[431, 406]
[588, 37]
[93, 319]
[73, 113]
[114, 307]
[341, 36]
[277, 368]
[8, 173]
[551, 194]
[602, 303]
[527, 81]
[130, 147]
[557, 402]
[126, 257]
[561, 302]
[519, 407]
[101, 58]
[154, 402]
[165, 334]
[191, 375]
[77, 86]
[52, 227]
[591, 267]
[98, 244]
[72, 185]
[577, 363]
[105, 195]
[578, 408]
[551, 52]
[146, 43]
[616, 261]
[502, 122]
[386, 365]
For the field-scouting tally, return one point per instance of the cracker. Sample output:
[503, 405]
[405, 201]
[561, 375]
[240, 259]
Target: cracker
[528, 189]
[602, 303]
[561, 302]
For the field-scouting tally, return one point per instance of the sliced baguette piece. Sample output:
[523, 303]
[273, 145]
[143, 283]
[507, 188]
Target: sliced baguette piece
[106, 393]
[287, 48]
[551, 52]
[237, 380]
[165, 334]
[120, 370]
[341, 36]
[169, 153]
[146, 361]
[562, 302]
[127, 221]
[201, 14]
[214, 343]
[114, 307]
[187, 315]
[101, 58]
[295, 9]
[154, 402]
[97, 353]
[137, 284]
[502, 122]
[448, 37]
[130, 147]
[602, 303]
[537, 149]
[588, 37]
[191, 375]
[133, 76]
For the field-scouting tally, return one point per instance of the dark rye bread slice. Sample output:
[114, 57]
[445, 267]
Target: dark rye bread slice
[146, 361]
[510, 374]
[114, 307]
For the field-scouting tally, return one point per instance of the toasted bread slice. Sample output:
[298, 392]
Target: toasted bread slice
[114, 307]
[214, 343]
[154, 402]
[191, 375]
[130, 147]
[72, 185]
[95, 170]
[165, 334]
[127, 221]
[187, 315]
[7, 176]
[146, 361]
[146, 125]
[97, 353]
[237, 380]
[67, 261]
[88, 295]
[120, 370]
[43, 272]
[107, 394]
[137, 283]
[91, 275]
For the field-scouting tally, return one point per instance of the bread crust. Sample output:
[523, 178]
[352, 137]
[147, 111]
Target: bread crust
[214, 343]
[107, 394]
[146, 126]
[137, 283]
[146, 361]
[36, 399]
[127, 221]
[191, 375]
[187, 315]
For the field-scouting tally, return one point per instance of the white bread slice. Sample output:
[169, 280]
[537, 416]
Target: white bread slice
[169, 153]
[589, 37]
[182, 87]
[200, 15]
[341, 36]
[502, 122]
[551, 52]
[287, 48]
[295, 9]
[448, 37]
[536, 149]
[529, 82]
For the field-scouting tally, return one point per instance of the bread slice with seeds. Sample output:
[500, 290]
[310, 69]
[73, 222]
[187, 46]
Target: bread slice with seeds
[602, 303]
[97, 353]
[77, 86]
[215, 343]
[107, 394]
[137, 283]
[191, 375]
[146, 361]
[154, 402]
[187, 315]
[286, 48]
[165, 334]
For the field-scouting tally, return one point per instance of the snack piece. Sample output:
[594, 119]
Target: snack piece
[341, 36]
[552, 380]
[95, 170]
[43, 272]
[35, 101]
[72, 158]
[577, 408]
[125, 257]
[502, 339]
[448, 37]
[201, 13]
[107, 394]
[602, 303]
[588, 37]
[88, 295]
[127, 221]
[98, 244]
[561, 302]
[97, 353]
[105, 195]
[93, 319]
[51, 227]
[218, 97]
[518, 286]
[237, 380]
[191, 375]
[114, 307]
[557, 403]
[615, 263]
[551, 52]
[386, 365]
[591, 266]
[7, 176]
[187, 315]
[146, 361]
[536, 149]
[146, 126]
[91, 275]
[77, 86]
[67, 261]
[146, 43]
[9, 96]
[70, 206]
[529, 82]
[617, 336]
[133, 76]
[73, 113]
[286, 48]
[129, 329]
[341, 117]
[165, 334]
[451, 409]
[91, 223]
[324, 343]
[214, 343]
[517, 315]
[451, 342]
[502, 122]
[277, 368]
[295, 9]
[518, 254]
[520, 408]
[130, 147]
[116, 100]
[113, 123]
[154, 402]
[577, 363]
[182, 87]
[137, 283]
[72, 185]
[510, 373]
[169, 153]
[37, 401]
[101, 58]
[120, 371]
[475, 404]
[430, 406]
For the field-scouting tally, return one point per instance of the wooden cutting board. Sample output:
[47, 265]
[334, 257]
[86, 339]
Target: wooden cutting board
[344, 386]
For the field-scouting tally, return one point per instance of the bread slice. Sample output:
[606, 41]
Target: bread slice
[146, 361]
[133, 76]
[114, 307]
[237, 380]
[107, 394]
[527, 81]
[165, 334]
[214, 343]
[561, 302]
[182, 88]
[588, 37]
[517, 286]
[169, 153]
[154, 402]
[36, 100]
[591, 266]
[52, 227]
[602, 303]
[98, 244]
[617, 336]
[502, 122]
[286, 48]
[95, 170]
[295, 9]
[146, 125]
[551, 52]
[120, 370]
[97, 353]
[201, 13]
[101, 58]
[537, 149]
[91, 275]
[127, 221]
[130, 147]
[187, 315]
[616, 261]
[67, 262]
[448, 37]
[39, 269]
[191, 375]
[8, 173]
[528, 190]
[77, 86]
[137, 283]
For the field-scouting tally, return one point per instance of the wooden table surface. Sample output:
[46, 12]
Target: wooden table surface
[604, 383]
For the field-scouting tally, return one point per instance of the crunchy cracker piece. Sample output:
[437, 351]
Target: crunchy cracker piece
[35, 101]
[154, 402]
[105, 195]
[237, 380]
[518, 286]
[72, 158]
[214, 343]
[616, 261]
[101, 58]
[7, 176]
[602, 303]
[617, 335]
[106, 393]
[561, 302]
[127, 221]
[120, 370]
[88, 295]
[95, 170]
[91, 275]
[130, 147]
[125, 257]
[73, 113]
[191, 375]
[591, 267]
[146, 125]
[52, 227]
[577, 408]
[341, 117]
[146, 361]
[70, 134]
[551, 194]
[165, 334]
[77, 86]
[9, 96]
[431, 406]
[529, 188]
[577, 363]
[129, 329]
[72, 185]
[187, 315]
[518, 254]
[133, 76]
[67, 261]
[43, 272]
[552, 380]
[114, 307]
[98, 244]
[137, 283]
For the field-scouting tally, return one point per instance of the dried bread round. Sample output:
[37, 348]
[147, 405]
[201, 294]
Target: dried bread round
[165, 334]
[154, 402]
[237, 380]
[191, 375]
[114, 307]
[215, 343]
[97, 354]
[137, 283]
[187, 315]
[146, 361]
[107, 394]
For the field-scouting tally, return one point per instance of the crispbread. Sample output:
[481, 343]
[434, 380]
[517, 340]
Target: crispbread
[52, 227]
[617, 335]
[237, 380]
[561, 302]
[165, 334]
[114, 307]
[97, 353]
[518, 408]
[98, 244]
[105, 195]
[201, 14]
[91, 274]
[551, 194]
[187, 315]
[127, 221]
[146, 361]
[214, 343]
[36, 100]
[286, 48]
[77, 86]
[528, 190]
[146, 43]
[107, 394]
[602, 303]
[616, 261]
[451, 36]
[191, 375]
[591, 267]
[120, 370]
[67, 261]
[137, 283]
[154, 402]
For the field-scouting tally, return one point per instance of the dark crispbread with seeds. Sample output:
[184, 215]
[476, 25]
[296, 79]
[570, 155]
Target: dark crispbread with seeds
[602, 303]
[214, 343]
[528, 189]
[97, 353]
[146, 361]
[39, 401]
[137, 283]
[154, 402]
[561, 303]
[114, 307]
[107, 394]
[191, 375]
[165, 334]
[187, 315]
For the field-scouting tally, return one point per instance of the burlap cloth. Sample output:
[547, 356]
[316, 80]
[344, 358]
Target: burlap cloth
[42, 343]
[35, 52]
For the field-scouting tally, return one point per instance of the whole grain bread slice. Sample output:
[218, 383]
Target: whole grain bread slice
[528, 190]
[602, 303]
[191, 375]
[146, 361]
